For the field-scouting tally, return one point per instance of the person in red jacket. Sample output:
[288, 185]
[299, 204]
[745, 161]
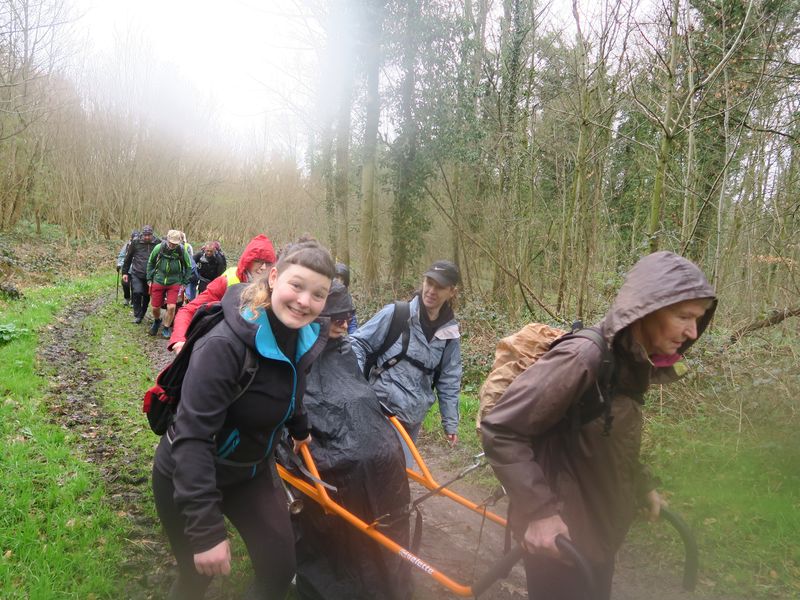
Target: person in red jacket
[256, 260]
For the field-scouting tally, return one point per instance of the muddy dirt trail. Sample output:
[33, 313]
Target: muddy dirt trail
[454, 540]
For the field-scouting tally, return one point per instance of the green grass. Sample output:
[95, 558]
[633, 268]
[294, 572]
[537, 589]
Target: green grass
[58, 538]
[741, 495]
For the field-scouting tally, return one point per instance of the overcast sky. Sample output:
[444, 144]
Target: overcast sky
[248, 62]
[245, 67]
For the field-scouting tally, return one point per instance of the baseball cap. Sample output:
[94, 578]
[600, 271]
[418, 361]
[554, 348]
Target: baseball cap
[444, 272]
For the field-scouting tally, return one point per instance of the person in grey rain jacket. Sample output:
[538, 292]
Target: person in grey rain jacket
[584, 479]
[434, 352]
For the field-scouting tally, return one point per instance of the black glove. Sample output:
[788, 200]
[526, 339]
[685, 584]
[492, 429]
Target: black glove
[119, 269]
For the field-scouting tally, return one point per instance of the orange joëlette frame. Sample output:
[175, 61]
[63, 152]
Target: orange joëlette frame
[320, 495]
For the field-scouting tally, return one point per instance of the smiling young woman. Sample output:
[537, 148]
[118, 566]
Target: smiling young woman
[217, 458]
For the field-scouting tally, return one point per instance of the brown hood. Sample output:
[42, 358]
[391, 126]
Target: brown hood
[656, 281]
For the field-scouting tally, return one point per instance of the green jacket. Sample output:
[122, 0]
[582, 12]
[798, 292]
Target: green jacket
[170, 268]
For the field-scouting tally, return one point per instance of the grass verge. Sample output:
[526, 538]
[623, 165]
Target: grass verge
[57, 535]
[740, 492]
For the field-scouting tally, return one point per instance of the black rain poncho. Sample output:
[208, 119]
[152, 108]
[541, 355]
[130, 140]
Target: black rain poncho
[357, 450]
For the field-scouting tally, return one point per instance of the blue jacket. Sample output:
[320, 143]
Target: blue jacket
[404, 388]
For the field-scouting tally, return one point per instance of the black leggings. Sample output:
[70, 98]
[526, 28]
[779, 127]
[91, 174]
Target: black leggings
[258, 510]
[552, 579]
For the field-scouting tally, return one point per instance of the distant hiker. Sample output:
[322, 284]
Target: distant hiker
[168, 271]
[256, 261]
[210, 264]
[424, 357]
[126, 284]
[356, 450]
[343, 275]
[217, 458]
[218, 248]
[577, 475]
[134, 269]
[190, 293]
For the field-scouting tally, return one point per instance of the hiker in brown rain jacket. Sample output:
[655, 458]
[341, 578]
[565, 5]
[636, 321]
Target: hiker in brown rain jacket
[571, 479]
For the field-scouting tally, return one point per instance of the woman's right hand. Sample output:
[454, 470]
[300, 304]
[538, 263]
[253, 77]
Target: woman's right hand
[216, 561]
[176, 347]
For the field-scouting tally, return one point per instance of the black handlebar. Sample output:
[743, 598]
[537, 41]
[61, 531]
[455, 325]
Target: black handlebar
[692, 560]
[569, 550]
[501, 568]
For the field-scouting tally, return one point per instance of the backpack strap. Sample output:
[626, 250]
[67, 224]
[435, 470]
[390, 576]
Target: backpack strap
[604, 384]
[399, 325]
[404, 319]
[248, 372]
[182, 255]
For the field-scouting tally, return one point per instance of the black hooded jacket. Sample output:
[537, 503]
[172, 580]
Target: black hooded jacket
[215, 442]
[137, 256]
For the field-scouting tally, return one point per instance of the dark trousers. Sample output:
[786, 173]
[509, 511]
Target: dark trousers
[140, 296]
[552, 579]
[126, 289]
[257, 508]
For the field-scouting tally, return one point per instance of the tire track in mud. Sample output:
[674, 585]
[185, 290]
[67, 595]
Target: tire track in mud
[74, 402]
[458, 541]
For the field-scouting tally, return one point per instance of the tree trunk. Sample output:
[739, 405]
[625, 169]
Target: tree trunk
[665, 148]
[373, 24]
[407, 177]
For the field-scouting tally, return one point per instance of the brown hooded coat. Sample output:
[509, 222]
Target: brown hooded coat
[595, 482]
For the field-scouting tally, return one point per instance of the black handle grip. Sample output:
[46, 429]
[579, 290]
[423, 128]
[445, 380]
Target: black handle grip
[692, 560]
[568, 549]
[499, 570]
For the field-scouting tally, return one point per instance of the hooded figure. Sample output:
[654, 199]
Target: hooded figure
[356, 450]
[134, 270]
[257, 258]
[582, 483]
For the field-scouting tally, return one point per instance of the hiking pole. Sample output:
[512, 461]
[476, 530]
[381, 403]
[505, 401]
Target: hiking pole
[116, 298]
[691, 563]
